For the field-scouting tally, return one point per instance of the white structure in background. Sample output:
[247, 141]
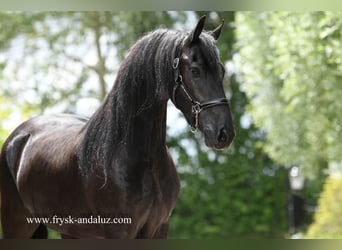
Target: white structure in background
[296, 179]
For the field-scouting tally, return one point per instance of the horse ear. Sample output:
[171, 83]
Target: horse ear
[217, 32]
[194, 36]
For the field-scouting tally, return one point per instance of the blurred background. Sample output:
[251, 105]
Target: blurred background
[281, 178]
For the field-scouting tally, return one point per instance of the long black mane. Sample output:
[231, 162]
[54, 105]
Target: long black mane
[144, 79]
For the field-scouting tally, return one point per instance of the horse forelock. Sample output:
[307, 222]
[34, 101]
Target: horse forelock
[210, 52]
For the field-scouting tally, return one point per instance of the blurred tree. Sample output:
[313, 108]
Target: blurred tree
[14, 24]
[291, 69]
[130, 26]
[4, 114]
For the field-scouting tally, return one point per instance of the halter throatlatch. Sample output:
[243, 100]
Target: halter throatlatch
[197, 107]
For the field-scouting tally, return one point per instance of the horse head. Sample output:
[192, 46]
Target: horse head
[198, 90]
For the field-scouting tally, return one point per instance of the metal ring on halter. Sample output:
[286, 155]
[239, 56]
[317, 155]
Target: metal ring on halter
[175, 63]
[196, 110]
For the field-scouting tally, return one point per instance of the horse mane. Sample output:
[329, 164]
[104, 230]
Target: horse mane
[145, 78]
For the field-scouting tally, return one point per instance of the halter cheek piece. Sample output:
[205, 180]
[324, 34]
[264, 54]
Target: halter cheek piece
[197, 107]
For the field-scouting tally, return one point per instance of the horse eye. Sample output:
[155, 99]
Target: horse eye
[195, 72]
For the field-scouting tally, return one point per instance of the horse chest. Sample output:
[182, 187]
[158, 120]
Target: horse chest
[152, 192]
[155, 201]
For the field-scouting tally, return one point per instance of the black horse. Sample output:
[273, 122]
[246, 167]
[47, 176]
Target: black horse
[116, 164]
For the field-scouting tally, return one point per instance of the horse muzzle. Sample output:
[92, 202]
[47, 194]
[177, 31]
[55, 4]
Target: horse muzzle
[218, 138]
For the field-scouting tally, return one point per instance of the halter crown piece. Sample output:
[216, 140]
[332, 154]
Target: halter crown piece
[197, 107]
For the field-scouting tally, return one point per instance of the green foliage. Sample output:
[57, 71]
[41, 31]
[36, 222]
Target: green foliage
[14, 23]
[4, 114]
[291, 69]
[328, 219]
[229, 200]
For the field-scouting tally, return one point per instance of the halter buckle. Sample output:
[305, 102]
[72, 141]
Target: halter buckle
[196, 108]
[175, 63]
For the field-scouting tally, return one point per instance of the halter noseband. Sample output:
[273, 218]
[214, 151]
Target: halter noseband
[197, 107]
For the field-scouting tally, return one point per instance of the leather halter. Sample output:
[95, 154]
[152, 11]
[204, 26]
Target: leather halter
[197, 107]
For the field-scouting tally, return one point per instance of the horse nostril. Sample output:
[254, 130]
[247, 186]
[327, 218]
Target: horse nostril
[223, 136]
